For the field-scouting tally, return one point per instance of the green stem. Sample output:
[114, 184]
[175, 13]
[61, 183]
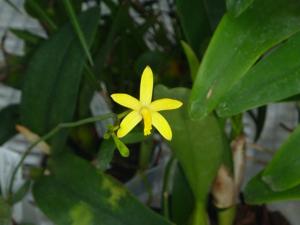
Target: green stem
[199, 216]
[227, 216]
[50, 134]
[166, 186]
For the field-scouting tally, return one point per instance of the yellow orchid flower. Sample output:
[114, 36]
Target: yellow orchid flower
[144, 109]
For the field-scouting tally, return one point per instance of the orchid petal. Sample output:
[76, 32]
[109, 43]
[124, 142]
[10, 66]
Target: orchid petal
[162, 125]
[146, 86]
[165, 104]
[126, 100]
[128, 123]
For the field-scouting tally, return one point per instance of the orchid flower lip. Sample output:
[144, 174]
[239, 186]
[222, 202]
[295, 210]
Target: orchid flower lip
[145, 109]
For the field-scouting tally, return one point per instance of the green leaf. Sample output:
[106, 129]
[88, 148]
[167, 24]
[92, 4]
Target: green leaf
[237, 7]
[20, 194]
[258, 192]
[124, 151]
[36, 9]
[198, 145]
[236, 45]
[78, 29]
[5, 213]
[274, 78]
[13, 5]
[53, 77]
[76, 193]
[9, 117]
[283, 171]
[191, 58]
[182, 202]
[189, 12]
[26, 36]
[106, 153]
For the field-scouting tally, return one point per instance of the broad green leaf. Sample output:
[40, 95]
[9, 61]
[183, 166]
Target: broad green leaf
[236, 45]
[76, 193]
[283, 171]
[274, 78]
[258, 192]
[198, 145]
[9, 117]
[237, 7]
[195, 32]
[53, 77]
[191, 58]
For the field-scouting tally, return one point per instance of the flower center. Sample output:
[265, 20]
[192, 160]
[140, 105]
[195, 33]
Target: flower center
[146, 114]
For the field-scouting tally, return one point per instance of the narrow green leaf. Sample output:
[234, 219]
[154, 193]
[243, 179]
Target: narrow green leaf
[198, 145]
[9, 117]
[237, 7]
[77, 193]
[124, 151]
[236, 45]
[191, 58]
[274, 78]
[258, 192]
[283, 171]
[53, 77]
[13, 5]
[20, 194]
[36, 8]
[26, 36]
[78, 30]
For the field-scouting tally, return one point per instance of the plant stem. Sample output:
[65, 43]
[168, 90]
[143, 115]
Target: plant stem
[199, 216]
[227, 216]
[50, 134]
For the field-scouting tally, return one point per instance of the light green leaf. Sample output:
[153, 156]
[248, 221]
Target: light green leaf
[274, 78]
[198, 145]
[237, 7]
[258, 192]
[124, 151]
[283, 171]
[77, 194]
[236, 45]
[191, 58]
[53, 77]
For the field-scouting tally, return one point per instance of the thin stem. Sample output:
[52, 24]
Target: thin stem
[50, 134]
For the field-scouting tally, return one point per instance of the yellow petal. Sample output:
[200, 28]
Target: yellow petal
[126, 100]
[165, 104]
[162, 125]
[146, 86]
[128, 123]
